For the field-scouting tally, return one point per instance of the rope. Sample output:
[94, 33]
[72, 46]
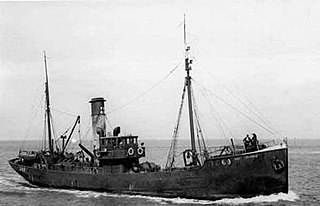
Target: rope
[44, 133]
[237, 110]
[79, 130]
[62, 112]
[109, 123]
[217, 117]
[253, 109]
[89, 128]
[270, 124]
[53, 126]
[196, 113]
[146, 92]
[37, 107]
[172, 151]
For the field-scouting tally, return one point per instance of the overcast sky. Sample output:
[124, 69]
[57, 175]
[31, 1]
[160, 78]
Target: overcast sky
[265, 51]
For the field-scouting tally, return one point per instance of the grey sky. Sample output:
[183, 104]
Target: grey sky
[268, 51]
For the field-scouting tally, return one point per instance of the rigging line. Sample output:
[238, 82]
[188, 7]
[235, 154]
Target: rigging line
[67, 113]
[79, 130]
[38, 107]
[45, 132]
[199, 144]
[254, 109]
[108, 122]
[87, 132]
[89, 128]
[195, 108]
[196, 112]
[246, 127]
[146, 92]
[217, 117]
[237, 110]
[54, 131]
[172, 150]
[67, 130]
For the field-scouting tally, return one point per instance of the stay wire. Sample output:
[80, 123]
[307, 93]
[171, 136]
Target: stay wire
[217, 117]
[53, 126]
[237, 110]
[172, 150]
[147, 91]
[38, 107]
[270, 124]
[45, 133]
[198, 128]
[196, 112]
[254, 110]
[111, 127]
[62, 112]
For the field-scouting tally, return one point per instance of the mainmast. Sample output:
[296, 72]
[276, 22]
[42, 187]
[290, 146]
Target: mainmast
[48, 104]
[188, 63]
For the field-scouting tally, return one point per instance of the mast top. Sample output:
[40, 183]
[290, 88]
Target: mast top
[186, 47]
[184, 30]
[45, 65]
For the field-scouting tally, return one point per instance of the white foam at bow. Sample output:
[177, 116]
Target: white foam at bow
[291, 196]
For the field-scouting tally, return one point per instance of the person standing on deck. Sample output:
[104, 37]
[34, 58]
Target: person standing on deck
[247, 142]
[254, 141]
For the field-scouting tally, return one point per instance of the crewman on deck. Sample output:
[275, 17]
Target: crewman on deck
[254, 141]
[247, 143]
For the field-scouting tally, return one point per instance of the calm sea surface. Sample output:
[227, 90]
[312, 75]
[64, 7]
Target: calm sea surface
[304, 186]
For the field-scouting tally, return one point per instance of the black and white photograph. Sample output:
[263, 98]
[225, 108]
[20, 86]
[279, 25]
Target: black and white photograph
[162, 102]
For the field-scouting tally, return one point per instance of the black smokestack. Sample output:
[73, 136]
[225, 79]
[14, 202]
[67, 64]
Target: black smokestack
[98, 117]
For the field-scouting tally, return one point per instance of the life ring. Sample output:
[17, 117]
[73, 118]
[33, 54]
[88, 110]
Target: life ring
[228, 150]
[140, 151]
[130, 151]
[223, 162]
[98, 154]
[226, 162]
[278, 165]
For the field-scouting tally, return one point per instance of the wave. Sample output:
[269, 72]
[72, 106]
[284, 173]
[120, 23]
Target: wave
[291, 197]
[25, 187]
[160, 200]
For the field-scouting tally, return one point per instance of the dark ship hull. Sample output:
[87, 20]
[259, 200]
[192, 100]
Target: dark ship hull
[261, 172]
[112, 163]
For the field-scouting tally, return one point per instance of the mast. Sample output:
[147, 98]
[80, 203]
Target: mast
[188, 84]
[48, 104]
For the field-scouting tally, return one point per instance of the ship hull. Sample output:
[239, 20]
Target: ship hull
[257, 173]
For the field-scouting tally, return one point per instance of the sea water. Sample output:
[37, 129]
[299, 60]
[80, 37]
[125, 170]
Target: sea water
[304, 182]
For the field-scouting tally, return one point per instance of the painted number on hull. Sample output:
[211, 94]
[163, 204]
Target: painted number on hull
[22, 169]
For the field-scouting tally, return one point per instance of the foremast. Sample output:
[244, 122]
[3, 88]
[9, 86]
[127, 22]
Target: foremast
[188, 85]
[48, 113]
